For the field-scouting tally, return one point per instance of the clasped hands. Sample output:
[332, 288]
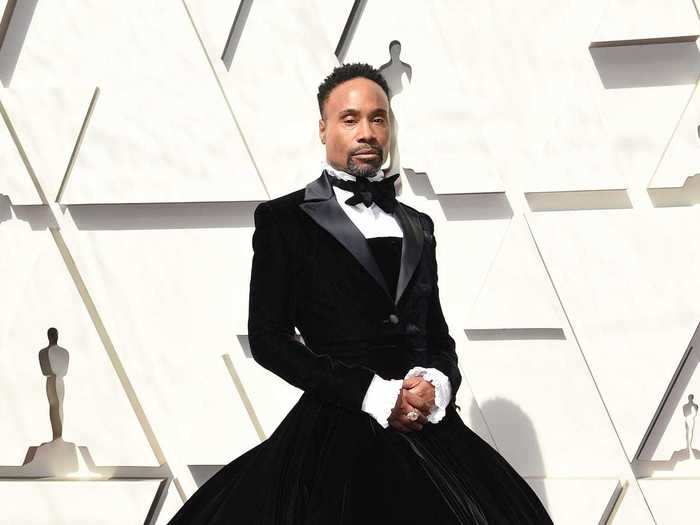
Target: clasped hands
[416, 394]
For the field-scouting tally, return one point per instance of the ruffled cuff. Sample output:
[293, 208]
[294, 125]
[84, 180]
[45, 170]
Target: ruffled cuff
[380, 398]
[443, 389]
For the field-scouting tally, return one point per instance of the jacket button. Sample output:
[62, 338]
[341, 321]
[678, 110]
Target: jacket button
[393, 319]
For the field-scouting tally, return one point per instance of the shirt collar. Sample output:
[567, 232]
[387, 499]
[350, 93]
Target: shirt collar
[379, 174]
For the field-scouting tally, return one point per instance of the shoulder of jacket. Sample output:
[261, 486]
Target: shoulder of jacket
[424, 218]
[283, 204]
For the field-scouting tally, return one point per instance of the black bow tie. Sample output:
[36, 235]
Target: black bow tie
[381, 192]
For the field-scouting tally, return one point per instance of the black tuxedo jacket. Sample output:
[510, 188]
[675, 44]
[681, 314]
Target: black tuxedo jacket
[312, 269]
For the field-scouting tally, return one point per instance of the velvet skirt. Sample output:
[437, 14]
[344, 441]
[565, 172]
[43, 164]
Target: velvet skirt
[326, 465]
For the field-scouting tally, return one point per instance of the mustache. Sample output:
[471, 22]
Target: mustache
[367, 149]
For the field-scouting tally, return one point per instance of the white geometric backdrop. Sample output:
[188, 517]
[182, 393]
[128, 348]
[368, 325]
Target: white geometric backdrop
[555, 144]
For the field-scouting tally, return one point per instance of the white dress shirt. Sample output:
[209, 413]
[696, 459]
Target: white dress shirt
[381, 395]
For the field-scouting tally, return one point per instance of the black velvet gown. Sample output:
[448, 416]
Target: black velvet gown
[324, 465]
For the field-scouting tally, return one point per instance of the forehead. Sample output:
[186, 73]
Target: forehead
[360, 94]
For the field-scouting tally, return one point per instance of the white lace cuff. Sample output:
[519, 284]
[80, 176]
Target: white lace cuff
[380, 398]
[443, 389]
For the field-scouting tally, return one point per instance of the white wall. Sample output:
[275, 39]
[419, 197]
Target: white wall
[555, 144]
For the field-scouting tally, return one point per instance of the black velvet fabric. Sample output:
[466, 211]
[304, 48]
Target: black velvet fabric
[328, 462]
[387, 252]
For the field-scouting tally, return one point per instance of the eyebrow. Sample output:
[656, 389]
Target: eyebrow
[351, 111]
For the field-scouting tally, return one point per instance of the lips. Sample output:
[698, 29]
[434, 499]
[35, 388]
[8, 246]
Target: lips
[366, 153]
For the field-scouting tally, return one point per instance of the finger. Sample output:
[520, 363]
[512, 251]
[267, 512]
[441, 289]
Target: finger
[428, 398]
[396, 423]
[421, 420]
[411, 382]
[413, 425]
[425, 390]
[400, 420]
[416, 401]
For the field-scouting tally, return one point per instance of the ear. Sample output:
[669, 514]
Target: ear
[392, 152]
[322, 130]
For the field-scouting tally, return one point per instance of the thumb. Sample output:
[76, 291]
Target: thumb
[410, 382]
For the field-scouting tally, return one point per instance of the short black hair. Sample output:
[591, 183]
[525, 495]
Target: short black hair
[347, 72]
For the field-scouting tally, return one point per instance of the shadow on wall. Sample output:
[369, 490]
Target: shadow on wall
[686, 195]
[14, 26]
[234, 36]
[163, 216]
[5, 208]
[393, 72]
[37, 216]
[515, 437]
[646, 63]
[461, 206]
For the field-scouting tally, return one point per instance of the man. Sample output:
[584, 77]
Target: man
[375, 437]
[355, 128]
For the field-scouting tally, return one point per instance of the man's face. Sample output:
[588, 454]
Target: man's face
[356, 128]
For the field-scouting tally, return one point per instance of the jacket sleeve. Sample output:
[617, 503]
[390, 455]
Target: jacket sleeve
[441, 346]
[271, 319]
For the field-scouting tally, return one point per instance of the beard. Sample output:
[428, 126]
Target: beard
[366, 169]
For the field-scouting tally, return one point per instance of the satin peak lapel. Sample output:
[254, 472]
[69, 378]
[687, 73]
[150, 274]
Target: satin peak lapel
[412, 246]
[320, 204]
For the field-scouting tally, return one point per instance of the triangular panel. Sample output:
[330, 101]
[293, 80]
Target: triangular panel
[158, 128]
[41, 294]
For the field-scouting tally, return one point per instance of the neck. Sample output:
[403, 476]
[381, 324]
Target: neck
[377, 175]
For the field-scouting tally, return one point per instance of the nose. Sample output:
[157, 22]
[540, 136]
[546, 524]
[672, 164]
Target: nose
[365, 133]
